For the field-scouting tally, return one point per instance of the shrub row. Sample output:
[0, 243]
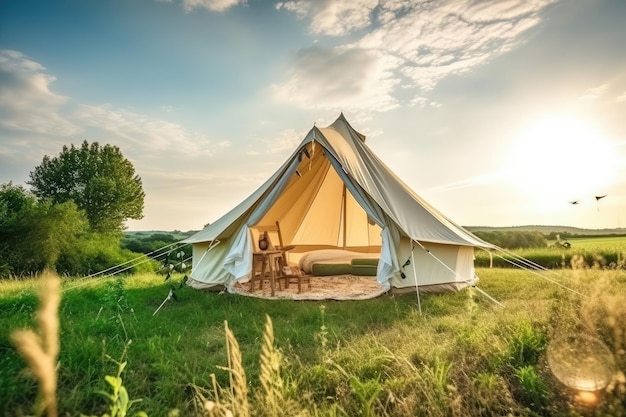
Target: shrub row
[553, 259]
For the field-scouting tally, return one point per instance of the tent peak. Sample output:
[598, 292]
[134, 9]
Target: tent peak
[343, 121]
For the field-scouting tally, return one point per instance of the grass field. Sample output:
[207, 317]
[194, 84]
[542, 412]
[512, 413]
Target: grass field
[607, 243]
[463, 356]
[606, 252]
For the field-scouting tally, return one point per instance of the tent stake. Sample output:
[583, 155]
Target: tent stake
[169, 297]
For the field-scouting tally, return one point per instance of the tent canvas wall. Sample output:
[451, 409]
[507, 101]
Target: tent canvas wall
[333, 192]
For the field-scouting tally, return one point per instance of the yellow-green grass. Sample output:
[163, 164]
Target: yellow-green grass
[603, 252]
[463, 356]
[601, 243]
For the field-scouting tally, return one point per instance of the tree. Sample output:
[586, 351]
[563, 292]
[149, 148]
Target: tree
[34, 234]
[13, 199]
[48, 230]
[99, 179]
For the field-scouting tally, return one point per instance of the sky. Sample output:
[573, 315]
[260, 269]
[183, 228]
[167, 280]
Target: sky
[497, 112]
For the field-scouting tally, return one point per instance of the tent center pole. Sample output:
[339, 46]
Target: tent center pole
[345, 215]
[417, 288]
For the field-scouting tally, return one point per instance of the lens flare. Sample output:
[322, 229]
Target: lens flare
[582, 363]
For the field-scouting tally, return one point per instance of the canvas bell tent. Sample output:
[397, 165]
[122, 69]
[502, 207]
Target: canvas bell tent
[334, 193]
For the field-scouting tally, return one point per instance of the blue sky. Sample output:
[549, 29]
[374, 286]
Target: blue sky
[497, 112]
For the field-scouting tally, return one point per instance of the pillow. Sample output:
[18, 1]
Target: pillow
[364, 270]
[329, 256]
[323, 269]
[364, 261]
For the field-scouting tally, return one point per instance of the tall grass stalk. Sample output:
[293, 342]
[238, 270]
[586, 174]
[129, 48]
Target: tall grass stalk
[41, 349]
[271, 382]
[203, 405]
[237, 375]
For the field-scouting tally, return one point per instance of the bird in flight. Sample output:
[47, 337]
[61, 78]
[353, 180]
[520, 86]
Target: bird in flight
[598, 198]
[574, 202]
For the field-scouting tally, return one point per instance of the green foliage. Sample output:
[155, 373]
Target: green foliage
[13, 199]
[35, 234]
[150, 243]
[367, 393]
[48, 230]
[513, 240]
[94, 252]
[99, 179]
[534, 391]
[528, 342]
[161, 247]
[119, 400]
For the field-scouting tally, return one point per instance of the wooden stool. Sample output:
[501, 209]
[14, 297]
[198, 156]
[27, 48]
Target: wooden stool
[292, 278]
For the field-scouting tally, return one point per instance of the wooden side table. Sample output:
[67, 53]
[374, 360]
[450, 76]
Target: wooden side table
[268, 264]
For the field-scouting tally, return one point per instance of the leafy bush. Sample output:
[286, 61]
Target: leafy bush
[514, 240]
[37, 234]
[95, 253]
[34, 234]
[153, 244]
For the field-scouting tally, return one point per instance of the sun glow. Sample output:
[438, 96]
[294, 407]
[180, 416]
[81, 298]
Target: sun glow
[561, 159]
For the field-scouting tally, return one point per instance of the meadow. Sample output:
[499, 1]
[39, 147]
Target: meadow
[211, 354]
[600, 251]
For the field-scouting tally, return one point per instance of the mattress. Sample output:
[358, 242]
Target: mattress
[331, 256]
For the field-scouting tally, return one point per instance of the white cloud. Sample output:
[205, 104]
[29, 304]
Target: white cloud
[143, 134]
[211, 5]
[594, 93]
[300, 8]
[436, 39]
[340, 17]
[27, 103]
[495, 10]
[339, 78]
[422, 102]
[414, 43]
[621, 98]
[333, 17]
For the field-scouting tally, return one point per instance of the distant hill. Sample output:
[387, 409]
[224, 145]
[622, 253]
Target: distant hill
[146, 233]
[530, 228]
[550, 229]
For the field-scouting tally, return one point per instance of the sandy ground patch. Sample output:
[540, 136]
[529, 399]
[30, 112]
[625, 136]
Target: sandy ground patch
[342, 287]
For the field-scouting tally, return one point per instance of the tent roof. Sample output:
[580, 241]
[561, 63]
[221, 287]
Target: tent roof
[413, 215]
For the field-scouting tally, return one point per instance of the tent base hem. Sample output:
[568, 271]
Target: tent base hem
[435, 289]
